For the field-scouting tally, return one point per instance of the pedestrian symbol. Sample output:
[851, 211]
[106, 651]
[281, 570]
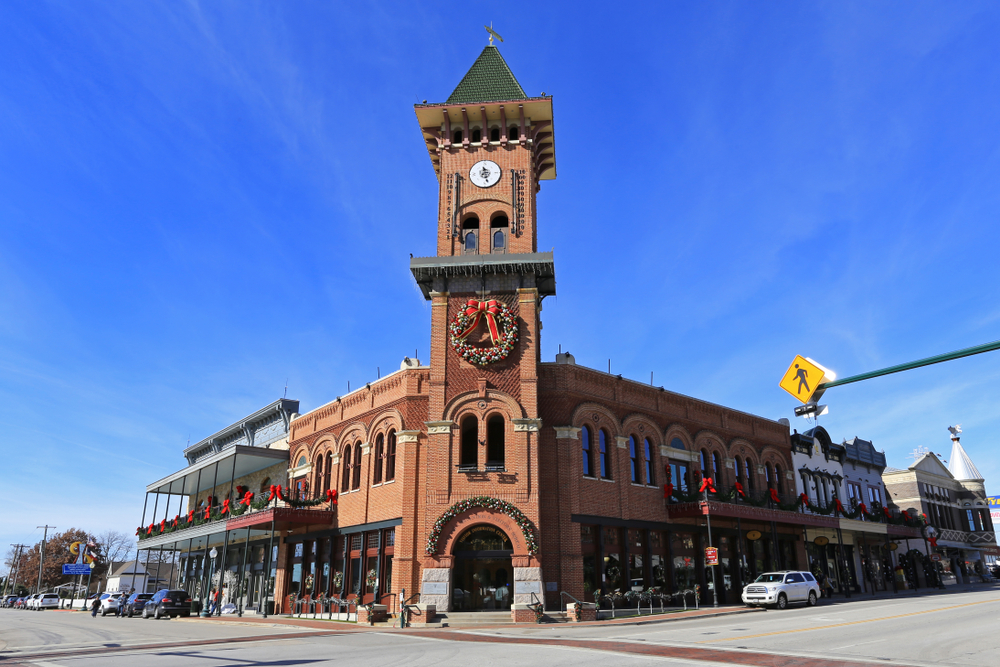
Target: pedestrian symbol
[803, 377]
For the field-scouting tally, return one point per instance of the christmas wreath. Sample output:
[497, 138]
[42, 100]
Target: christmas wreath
[499, 320]
[489, 503]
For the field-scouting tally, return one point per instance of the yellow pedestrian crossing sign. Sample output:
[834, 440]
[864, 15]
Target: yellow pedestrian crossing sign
[802, 378]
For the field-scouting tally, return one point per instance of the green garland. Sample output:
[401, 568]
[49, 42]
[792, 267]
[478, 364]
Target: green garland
[487, 502]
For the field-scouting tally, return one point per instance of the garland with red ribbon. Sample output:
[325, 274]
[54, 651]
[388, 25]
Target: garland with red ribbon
[707, 483]
[668, 490]
[774, 496]
[499, 320]
[739, 490]
[225, 506]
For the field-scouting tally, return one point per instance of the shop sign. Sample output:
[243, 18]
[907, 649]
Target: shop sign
[936, 558]
[821, 541]
[753, 535]
[711, 556]
[893, 546]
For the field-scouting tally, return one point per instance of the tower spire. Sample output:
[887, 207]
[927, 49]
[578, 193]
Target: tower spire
[493, 33]
[959, 464]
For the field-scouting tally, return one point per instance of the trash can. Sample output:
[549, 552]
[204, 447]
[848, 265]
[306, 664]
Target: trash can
[195, 607]
[269, 607]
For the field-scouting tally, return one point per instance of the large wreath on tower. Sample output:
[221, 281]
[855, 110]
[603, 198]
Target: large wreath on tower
[499, 320]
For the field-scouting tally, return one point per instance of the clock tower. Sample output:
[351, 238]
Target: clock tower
[490, 145]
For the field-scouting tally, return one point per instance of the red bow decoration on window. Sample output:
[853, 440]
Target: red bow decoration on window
[668, 490]
[739, 489]
[885, 511]
[836, 503]
[208, 512]
[177, 520]
[275, 492]
[906, 517]
[477, 309]
[149, 531]
[240, 490]
[225, 506]
[138, 530]
[804, 498]
[331, 495]
[863, 508]
[707, 483]
[774, 495]
[191, 516]
[247, 498]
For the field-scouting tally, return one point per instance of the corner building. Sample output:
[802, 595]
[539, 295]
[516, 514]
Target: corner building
[489, 480]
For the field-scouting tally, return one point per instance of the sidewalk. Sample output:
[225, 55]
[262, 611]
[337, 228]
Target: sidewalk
[839, 598]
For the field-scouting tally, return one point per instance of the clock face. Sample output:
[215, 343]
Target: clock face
[485, 173]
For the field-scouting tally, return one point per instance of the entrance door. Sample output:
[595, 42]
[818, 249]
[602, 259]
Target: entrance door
[483, 577]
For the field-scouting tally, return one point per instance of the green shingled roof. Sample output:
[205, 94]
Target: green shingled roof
[488, 80]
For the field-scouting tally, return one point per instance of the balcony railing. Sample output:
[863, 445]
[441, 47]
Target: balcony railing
[982, 537]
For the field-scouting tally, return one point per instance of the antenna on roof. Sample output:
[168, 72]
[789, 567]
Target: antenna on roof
[286, 388]
[493, 33]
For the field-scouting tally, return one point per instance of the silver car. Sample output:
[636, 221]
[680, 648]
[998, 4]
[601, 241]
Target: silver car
[782, 589]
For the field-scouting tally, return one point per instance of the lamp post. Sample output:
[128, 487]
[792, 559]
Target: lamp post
[708, 523]
[205, 613]
[87, 592]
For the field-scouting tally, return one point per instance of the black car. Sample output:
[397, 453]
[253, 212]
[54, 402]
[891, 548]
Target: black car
[135, 603]
[168, 603]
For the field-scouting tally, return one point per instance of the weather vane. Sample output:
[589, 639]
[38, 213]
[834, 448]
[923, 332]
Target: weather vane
[493, 33]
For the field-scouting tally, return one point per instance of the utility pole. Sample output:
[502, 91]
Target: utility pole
[17, 571]
[41, 557]
[14, 567]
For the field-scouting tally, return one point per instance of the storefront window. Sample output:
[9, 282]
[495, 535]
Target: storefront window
[590, 586]
[612, 572]
[296, 585]
[682, 545]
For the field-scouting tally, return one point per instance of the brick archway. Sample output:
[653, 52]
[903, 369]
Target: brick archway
[481, 516]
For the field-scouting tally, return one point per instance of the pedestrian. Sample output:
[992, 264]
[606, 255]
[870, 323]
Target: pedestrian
[95, 605]
[215, 600]
[122, 604]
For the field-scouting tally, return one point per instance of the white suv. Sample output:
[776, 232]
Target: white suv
[47, 601]
[781, 589]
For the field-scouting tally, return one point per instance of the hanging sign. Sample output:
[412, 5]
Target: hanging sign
[821, 541]
[893, 546]
[803, 377]
[711, 556]
[753, 535]
[936, 558]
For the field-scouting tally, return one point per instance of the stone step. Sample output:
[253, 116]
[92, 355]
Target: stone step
[456, 618]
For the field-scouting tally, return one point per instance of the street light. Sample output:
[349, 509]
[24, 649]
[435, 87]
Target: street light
[205, 613]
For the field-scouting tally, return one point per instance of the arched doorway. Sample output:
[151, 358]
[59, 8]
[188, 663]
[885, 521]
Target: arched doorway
[483, 576]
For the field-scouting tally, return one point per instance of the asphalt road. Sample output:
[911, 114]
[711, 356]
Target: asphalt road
[943, 630]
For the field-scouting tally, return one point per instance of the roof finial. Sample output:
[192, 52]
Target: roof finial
[955, 430]
[493, 33]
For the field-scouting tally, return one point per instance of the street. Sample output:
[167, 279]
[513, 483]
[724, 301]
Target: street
[954, 629]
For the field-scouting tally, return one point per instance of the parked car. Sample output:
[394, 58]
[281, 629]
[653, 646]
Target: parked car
[109, 603]
[47, 601]
[170, 603]
[29, 602]
[135, 603]
[9, 601]
[20, 602]
[782, 589]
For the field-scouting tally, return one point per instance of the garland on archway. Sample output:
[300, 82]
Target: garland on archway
[486, 502]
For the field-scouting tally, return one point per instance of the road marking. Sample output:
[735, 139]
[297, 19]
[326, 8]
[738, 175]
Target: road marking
[840, 625]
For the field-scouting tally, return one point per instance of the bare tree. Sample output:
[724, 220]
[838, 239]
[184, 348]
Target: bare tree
[116, 546]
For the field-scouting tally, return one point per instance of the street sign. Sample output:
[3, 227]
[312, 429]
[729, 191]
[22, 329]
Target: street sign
[802, 378]
[711, 556]
[936, 557]
[76, 568]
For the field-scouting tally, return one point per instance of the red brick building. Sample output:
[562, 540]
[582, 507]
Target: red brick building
[489, 479]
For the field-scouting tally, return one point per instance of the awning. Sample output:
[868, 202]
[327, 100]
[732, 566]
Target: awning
[749, 512]
[283, 517]
[218, 469]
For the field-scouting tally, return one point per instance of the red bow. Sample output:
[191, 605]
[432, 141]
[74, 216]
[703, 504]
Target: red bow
[739, 489]
[836, 503]
[247, 498]
[668, 490]
[176, 520]
[191, 516]
[163, 525]
[933, 541]
[804, 498]
[863, 508]
[476, 309]
[208, 512]
[149, 531]
[138, 530]
[707, 483]
[885, 511]
[774, 495]
[240, 490]
[275, 492]
[906, 517]
[225, 506]
[331, 495]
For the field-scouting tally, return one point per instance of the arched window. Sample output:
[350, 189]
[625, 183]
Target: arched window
[495, 134]
[495, 442]
[717, 469]
[648, 455]
[379, 456]
[345, 467]
[265, 486]
[468, 456]
[602, 437]
[390, 457]
[328, 471]
[588, 461]
[750, 475]
[456, 137]
[677, 443]
[470, 230]
[318, 475]
[356, 482]
[738, 469]
[777, 478]
[302, 462]
[499, 225]
[768, 475]
[634, 457]
[513, 133]
[705, 470]
[477, 136]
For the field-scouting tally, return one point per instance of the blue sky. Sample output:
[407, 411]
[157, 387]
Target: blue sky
[200, 200]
